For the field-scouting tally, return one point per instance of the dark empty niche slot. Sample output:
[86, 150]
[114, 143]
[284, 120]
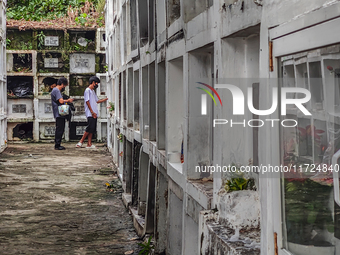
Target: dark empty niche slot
[83, 40]
[23, 130]
[20, 86]
[77, 130]
[143, 22]
[103, 38]
[174, 11]
[22, 62]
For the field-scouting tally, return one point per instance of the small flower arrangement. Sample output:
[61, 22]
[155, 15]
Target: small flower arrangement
[111, 107]
[120, 137]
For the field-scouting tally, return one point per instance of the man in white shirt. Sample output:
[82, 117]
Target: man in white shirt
[91, 112]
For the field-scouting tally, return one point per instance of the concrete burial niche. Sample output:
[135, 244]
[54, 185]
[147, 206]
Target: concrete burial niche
[20, 108]
[47, 131]
[174, 11]
[19, 40]
[78, 84]
[50, 39]
[45, 110]
[19, 62]
[176, 115]
[100, 63]
[82, 40]
[79, 105]
[77, 130]
[20, 131]
[45, 81]
[102, 85]
[20, 87]
[101, 40]
[192, 8]
[82, 63]
[52, 62]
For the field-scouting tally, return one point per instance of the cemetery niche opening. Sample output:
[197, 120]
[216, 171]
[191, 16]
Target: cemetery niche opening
[20, 87]
[23, 130]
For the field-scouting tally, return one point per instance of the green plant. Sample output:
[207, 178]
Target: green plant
[239, 182]
[101, 21]
[76, 47]
[8, 42]
[41, 39]
[147, 247]
[81, 20]
[25, 45]
[111, 107]
[37, 10]
[106, 68]
[100, 9]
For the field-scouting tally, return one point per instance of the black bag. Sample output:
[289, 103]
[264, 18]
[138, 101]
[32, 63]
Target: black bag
[72, 108]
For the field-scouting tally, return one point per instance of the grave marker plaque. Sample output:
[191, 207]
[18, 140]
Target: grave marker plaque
[49, 130]
[82, 63]
[51, 62]
[48, 108]
[80, 130]
[19, 108]
[51, 41]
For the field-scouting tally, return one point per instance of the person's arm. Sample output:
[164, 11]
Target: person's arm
[102, 100]
[62, 101]
[94, 115]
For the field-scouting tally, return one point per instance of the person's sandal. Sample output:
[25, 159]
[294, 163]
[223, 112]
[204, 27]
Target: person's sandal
[79, 145]
[91, 147]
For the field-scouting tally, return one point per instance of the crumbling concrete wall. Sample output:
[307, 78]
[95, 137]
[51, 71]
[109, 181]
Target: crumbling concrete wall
[210, 42]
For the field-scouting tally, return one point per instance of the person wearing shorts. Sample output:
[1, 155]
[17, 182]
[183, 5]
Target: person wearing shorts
[91, 112]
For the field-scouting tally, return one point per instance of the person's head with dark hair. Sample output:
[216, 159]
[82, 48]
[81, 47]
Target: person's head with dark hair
[94, 81]
[62, 81]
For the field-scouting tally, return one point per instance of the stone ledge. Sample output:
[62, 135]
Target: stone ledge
[216, 238]
[127, 199]
[201, 191]
[138, 221]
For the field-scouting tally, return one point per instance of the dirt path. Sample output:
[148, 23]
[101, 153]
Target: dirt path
[56, 202]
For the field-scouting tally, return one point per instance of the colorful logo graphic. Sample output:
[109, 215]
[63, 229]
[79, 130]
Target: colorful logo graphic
[204, 97]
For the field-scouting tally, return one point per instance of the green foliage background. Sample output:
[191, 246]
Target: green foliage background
[37, 10]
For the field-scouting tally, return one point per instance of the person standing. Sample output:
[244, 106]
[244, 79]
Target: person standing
[91, 112]
[57, 99]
